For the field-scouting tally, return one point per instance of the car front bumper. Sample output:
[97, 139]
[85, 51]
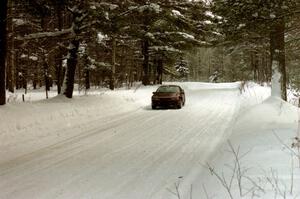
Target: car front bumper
[166, 102]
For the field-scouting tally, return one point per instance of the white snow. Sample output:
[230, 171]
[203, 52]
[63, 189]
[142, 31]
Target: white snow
[209, 14]
[207, 22]
[276, 76]
[165, 48]
[149, 6]
[255, 14]
[111, 145]
[272, 16]
[177, 13]
[33, 58]
[187, 36]
[241, 26]
[19, 22]
[183, 34]
[216, 33]
[150, 35]
[46, 34]
[101, 37]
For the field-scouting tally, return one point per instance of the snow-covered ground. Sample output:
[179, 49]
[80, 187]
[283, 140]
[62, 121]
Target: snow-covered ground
[111, 145]
[258, 160]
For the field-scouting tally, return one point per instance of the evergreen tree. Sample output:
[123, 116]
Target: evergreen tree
[151, 34]
[165, 29]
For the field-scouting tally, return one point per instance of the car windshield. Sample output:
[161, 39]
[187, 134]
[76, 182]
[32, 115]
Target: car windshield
[168, 89]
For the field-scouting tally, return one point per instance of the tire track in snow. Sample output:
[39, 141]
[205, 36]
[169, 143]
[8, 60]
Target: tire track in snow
[191, 147]
[159, 159]
[105, 129]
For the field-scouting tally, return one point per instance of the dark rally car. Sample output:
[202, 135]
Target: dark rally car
[168, 96]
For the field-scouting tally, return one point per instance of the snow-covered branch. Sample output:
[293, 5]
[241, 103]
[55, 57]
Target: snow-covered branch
[46, 34]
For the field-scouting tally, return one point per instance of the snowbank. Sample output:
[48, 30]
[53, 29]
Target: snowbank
[271, 113]
[37, 124]
[258, 160]
[210, 86]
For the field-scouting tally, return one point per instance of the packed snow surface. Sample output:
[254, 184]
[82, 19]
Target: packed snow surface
[111, 145]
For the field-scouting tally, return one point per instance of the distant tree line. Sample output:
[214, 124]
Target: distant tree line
[112, 43]
[88, 42]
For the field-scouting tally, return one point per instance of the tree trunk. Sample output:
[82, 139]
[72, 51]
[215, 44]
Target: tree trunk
[35, 77]
[277, 51]
[155, 74]
[3, 21]
[267, 67]
[145, 50]
[59, 75]
[10, 50]
[254, 66]
[73, 51]
[17, 71]
[46, 75]
[87, 79]
[159, 71]
[113, 65]
[71, 68]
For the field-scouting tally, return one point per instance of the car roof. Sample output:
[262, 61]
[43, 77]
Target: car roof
[170, 86]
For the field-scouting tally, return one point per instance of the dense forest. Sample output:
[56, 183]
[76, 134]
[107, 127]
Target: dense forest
[105, 43]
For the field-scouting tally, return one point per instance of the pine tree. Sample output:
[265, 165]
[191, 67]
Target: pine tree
[165, 29]
[150, 34]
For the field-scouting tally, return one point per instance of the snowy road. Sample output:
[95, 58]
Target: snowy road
[136, 154]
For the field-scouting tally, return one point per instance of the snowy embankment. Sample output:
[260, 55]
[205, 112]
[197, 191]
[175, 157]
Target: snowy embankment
[111, 145]
[258, 161]
[37, 123]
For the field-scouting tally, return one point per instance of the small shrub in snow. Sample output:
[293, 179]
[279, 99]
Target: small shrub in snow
[237, 180]
[239, 184]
